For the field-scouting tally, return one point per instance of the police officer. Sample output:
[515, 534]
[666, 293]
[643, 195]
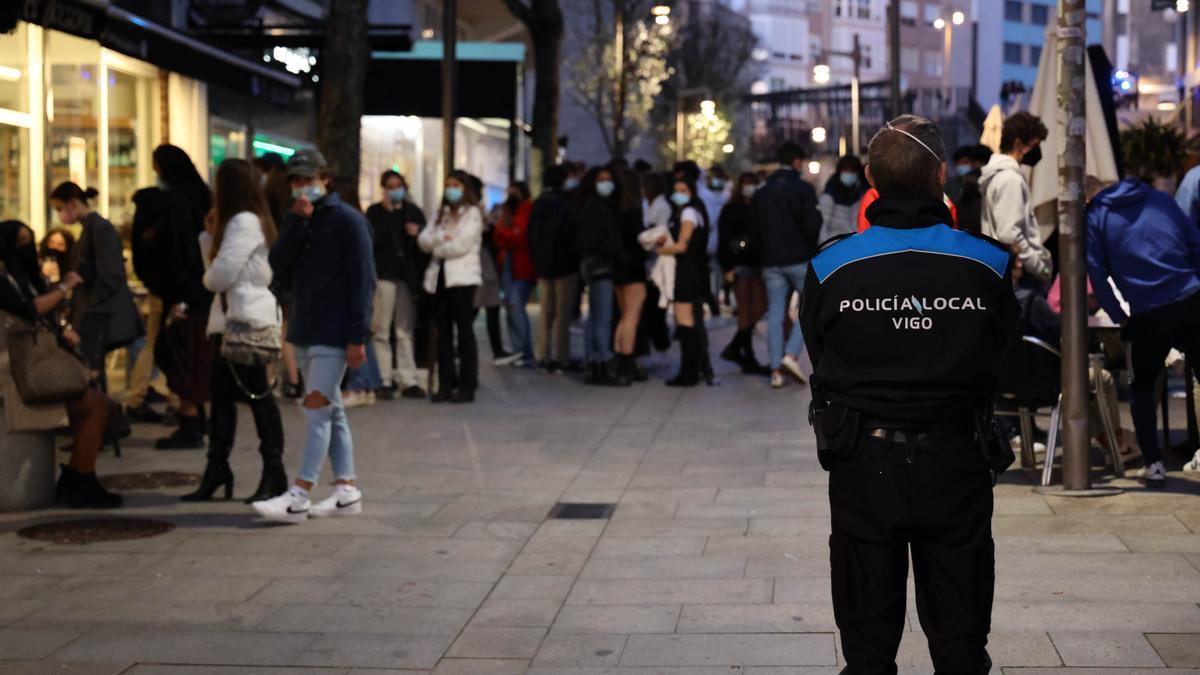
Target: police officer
[906, 324]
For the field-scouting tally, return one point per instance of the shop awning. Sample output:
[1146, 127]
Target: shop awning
[410, 83]
[168, 49]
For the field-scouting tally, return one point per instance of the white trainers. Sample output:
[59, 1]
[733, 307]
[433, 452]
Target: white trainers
[1194, 465]
[357, 399]
[1039, 448]
[792, 367]
[346, 500]
[776, 381]
[1154, 476]
[292, 506]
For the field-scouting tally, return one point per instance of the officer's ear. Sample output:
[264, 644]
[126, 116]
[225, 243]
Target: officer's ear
[870, 180]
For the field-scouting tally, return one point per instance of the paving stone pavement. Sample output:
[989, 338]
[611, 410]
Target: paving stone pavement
[714, 562]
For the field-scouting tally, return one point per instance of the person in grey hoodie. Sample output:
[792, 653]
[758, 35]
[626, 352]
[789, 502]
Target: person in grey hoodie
[1007, 213]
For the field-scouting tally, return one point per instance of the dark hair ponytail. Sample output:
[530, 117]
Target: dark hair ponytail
[69, 191]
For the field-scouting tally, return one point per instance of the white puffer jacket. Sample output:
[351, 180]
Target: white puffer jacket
[454, 240]
[242, 273]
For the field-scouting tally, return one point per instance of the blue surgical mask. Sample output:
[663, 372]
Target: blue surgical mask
[749, 190]
[454, 195]
[397, 195]
[571, 183]
[962, 169]
[605, 188]
[681, 198]
[312, 193]
[849, 178]
[717, 184]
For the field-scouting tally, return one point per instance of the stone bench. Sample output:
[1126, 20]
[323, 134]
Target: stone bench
[27, 471]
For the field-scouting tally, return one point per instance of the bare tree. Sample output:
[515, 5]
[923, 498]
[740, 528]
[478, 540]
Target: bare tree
[344, 59]
[544, 21]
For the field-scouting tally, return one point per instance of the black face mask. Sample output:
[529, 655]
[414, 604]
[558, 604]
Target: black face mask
[27, 257]
[1032, 157]
[512, 203]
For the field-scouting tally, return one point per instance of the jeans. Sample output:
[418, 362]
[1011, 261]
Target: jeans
[516, 297]
[780, 282]
[328, 428]
[395, 307]
[597, 336]
[554, 327]
[231, 382]
[366, 377]
[456, 314]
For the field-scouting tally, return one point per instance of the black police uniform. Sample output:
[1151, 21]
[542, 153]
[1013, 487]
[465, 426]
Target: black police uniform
[906, 324]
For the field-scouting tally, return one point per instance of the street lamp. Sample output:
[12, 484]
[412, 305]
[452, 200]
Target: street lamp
[661, 14]
[708, 108]
[819, 134]
[958, 17]
[821, 75]
[939, 23]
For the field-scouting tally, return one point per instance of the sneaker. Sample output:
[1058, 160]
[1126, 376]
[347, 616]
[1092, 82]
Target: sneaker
[292, 506]
[776, 380]
[503, 360]
[356, 399]
[1194, 465]
[1039, 448]
[1154, 476]
[346, 500]
[792, 367]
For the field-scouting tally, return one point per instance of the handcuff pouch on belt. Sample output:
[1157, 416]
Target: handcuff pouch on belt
[994, 443]
[838, 428]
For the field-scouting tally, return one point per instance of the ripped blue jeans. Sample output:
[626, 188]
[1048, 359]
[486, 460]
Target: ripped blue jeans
[328, 428]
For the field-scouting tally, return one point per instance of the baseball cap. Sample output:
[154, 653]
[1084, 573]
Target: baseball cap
[306, 162]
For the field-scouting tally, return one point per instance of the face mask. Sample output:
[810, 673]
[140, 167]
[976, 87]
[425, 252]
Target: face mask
[27, 257]
[605, 188]
[962, 169]
[681, 198]
[1032, 157]
[262, 180]
[396, 196]
[849, 178]
[571, 183]
[512, 203]
[749, 190]
[454, 195]
[717, 184]
[312, 193]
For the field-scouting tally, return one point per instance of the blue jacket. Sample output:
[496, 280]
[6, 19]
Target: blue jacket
[1139, 236]
[332, 275]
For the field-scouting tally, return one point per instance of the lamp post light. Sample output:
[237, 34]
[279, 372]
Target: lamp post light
[661, 14]
[957, 18]
[708, 108]
[821, 75]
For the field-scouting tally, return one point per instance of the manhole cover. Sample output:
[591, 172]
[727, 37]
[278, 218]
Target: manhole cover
[149, 480]
[582, 511]
[92, 530]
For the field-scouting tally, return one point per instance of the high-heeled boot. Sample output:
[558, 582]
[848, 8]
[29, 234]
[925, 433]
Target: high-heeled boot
[83, 491]
[274, 481]
[689, 358]
[217, 474]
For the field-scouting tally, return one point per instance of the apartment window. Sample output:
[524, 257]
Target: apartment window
[933, 64]
[909, 11]
[839, 8]
[1013, 54]
[864, 9]
[1014, 10]
[1035, 55]
[932, 12]
[867, 59]
[778, 84]
[1041, 15]
[910, 59]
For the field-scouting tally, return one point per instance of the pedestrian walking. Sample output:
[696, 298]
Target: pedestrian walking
[324, 257]
[907, 324]
[235, 245]
[629, 277]
[739, 258]
[787, 226]
[517, 275]
[598, 213]
[182, 350]
[688, 243]
[1007, 210]
[552, 246]
[454, 274]
[395, 223]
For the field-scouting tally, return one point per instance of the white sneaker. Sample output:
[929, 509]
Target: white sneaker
[1039, 448]
[792, 366]
[1154, 476]
[346, 500]
[776, 381]
[1194, 465]
[292, 506]
[506, 360]
[357, 399]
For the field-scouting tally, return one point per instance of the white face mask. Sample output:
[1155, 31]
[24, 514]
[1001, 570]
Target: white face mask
[749, 190]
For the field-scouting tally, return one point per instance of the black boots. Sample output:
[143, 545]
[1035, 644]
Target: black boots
[689, 358]
[741, 352]
[189, 435]
[83, 491]
[217, 474]
[274, 481]
[627, 365]
[606, 374]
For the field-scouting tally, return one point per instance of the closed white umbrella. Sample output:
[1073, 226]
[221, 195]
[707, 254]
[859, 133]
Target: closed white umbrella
[993, 127]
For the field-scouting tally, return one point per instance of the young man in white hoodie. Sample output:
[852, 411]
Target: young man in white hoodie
[1007, 213]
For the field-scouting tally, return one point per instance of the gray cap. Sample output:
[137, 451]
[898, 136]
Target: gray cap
[306, 162]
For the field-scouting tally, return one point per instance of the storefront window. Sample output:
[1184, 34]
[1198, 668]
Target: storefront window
[130, 104]
[73, 110]
[14, 173]
[14, 70]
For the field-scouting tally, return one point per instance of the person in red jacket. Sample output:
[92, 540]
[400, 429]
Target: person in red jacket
[873, 194]
[517, 274]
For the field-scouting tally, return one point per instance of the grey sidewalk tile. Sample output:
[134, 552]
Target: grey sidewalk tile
[1066, 588]
[261, 543]
[1178, 650]
[1068, 615]
[1066, 543]
[787, 565]
[669, 591]
[56, 667]
[670, 527]
[659, 495]
[1143, 543]
[533, 587]
[755, 509]
[25, 586]
[1087, 524]
[262, 566]
[497, 643]
[800, 546]
[1110, 566]
[481, 667]
[159, 613]
[35, 643]
[637, 547]
[517, 613]
[724, 566]
[1100, 671]
[817, 527]
[289, 591]
[549, 562]
[612, 619]
[1022, 648]
[1105, 649]
[365, 620]
[760, 618]
[373, 651]
[799, 590]
[186, 646]
[12, 611]
[163, 669]
[496, 530]
[105, 591]
[580, 650]
[424, 569]
[814, 649]
[429, 548]
[70, 562]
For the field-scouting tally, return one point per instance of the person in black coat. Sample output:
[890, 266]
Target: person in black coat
[182, 351]
[556, 259]
[601, 253]
[738, 257]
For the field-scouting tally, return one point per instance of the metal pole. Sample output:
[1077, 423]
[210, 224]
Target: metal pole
[855, 99]
[679, 134]
[449, 81]
[894, 49]
[947, 60]
[1072, 126]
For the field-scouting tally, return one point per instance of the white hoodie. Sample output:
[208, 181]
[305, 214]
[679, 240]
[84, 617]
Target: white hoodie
[1007, 215]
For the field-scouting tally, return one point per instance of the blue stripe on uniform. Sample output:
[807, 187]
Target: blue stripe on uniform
[936, 239]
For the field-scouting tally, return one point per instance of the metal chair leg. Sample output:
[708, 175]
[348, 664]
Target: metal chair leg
[1028, 458]
[1052, 442]
[1106, 426]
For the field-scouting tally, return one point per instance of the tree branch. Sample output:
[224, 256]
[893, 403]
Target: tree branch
[521, 11]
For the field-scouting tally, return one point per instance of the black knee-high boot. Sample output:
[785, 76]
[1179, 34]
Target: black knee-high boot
[689, 358]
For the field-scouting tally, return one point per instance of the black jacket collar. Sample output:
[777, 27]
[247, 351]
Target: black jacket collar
[908, 210]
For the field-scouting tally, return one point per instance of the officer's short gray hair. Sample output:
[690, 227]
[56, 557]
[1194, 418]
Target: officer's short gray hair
[907, 155]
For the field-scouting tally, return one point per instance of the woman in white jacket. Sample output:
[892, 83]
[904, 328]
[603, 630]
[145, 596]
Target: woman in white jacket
[453, 275]
[238, 235]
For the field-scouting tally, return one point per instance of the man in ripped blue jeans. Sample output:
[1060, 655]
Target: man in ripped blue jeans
[324, 256]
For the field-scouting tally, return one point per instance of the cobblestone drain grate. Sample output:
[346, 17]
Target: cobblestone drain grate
[582, 511]
[92, 530]
[152, 480]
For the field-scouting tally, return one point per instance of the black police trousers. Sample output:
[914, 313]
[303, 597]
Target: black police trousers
[931, 493]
